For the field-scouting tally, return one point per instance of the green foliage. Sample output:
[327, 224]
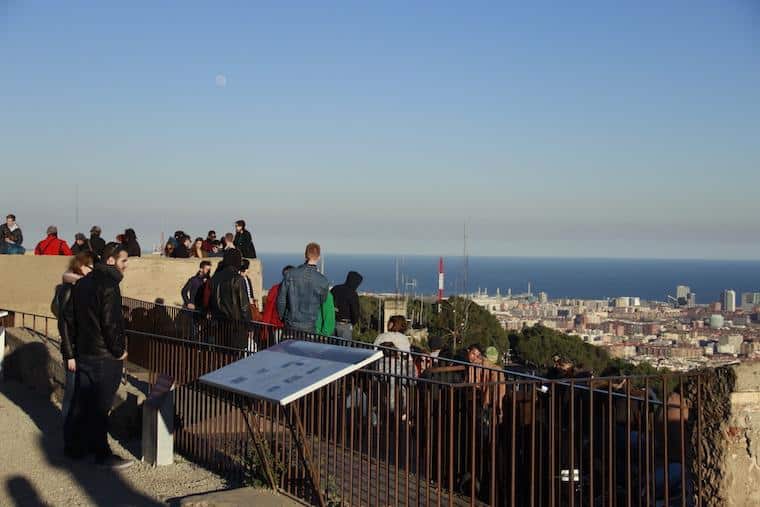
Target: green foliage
[461, 322]
[537, 345]
[371, 317]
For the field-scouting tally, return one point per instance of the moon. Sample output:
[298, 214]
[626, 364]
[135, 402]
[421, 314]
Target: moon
[221, 80]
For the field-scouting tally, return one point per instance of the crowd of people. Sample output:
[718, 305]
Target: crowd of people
[180, 245]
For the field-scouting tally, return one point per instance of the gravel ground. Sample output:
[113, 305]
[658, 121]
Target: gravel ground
[34, 472]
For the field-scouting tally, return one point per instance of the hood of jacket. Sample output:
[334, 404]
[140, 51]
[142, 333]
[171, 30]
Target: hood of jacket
[354, 280]
[109, 271]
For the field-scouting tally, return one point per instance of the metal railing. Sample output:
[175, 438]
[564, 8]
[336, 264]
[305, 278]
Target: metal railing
[414, 429]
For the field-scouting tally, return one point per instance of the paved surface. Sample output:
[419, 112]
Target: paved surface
[34, 472]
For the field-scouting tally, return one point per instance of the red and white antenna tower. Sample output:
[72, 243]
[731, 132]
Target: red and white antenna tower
[441, 277]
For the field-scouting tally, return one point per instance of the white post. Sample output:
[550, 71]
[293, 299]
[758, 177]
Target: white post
[158, 424]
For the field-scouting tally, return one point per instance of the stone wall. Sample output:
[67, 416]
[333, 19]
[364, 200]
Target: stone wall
[27, 281]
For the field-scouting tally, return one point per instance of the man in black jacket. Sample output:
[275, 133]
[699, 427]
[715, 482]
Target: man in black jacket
[347, 309]
[97, 244]
[100, 341]
[229, 303]
[243, 240]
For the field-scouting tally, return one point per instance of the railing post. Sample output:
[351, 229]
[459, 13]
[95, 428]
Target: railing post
[3, 314]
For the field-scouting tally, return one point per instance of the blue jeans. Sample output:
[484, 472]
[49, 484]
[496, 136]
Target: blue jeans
[11, 249]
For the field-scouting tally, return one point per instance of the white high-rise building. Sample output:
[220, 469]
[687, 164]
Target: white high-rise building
[729, 300]
[682, 295]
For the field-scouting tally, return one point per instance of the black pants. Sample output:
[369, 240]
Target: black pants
[86, 427]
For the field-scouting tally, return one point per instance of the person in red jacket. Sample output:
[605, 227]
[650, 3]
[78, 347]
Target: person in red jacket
[270, 315]
[52, 245]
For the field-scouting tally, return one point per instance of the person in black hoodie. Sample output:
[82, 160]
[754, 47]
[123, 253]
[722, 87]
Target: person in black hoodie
[100, 342]
[97, 244]
[347, 309]
[229, 299]
[243, 241]
[131, 244]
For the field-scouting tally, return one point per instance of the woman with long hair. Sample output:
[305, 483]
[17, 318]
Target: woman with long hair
[197, 249]
[63, 307]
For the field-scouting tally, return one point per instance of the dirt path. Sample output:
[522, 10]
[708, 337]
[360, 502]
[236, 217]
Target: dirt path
[34, 472]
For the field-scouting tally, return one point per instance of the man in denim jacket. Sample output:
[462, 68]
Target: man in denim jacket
[303, 291]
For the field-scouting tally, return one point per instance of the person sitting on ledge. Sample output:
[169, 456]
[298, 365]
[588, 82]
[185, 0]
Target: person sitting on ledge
[51, 245]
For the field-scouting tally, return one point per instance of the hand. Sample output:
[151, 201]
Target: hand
[123, 356]
[71, 365]
[190, 306]
[9, 240]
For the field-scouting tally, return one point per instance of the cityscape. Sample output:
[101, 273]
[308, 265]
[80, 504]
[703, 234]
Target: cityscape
[679, 334]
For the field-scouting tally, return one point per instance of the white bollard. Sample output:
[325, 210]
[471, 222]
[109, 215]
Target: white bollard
[158, 423]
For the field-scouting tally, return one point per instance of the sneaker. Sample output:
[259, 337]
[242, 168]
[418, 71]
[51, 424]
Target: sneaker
[114, 462]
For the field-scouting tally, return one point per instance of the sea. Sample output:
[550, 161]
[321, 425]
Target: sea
[649, 279]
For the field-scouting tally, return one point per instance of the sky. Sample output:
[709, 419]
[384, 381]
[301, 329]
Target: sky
[590, 128]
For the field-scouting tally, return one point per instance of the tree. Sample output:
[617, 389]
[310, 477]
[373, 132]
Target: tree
[462, 322]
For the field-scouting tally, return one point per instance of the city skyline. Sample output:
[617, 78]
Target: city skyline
[599, 130]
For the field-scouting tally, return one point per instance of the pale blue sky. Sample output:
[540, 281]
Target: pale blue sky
[588, 128]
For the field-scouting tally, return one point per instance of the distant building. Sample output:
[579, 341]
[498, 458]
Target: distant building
[750, 300]
[543, 297]
[691, 300]
[729, 300]
[717, 321]
[682, 294]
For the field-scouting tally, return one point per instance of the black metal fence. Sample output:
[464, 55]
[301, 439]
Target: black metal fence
[414, 429]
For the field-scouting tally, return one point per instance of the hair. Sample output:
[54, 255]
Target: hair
[245, 264]
[168, 248]
[229, 236]
[286, 269]
[241, 223]
[397, 324]
[312, 250]
[203, 264]
[112, 250]
[210, 233]
[11, 216]
[129, 234]
[81, 260]
[52, 230]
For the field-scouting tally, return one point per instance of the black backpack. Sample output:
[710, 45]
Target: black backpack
[61, 297]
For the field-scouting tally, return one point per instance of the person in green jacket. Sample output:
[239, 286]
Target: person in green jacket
[326, 317]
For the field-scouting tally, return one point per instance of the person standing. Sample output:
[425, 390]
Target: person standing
[63, 308]
[271, 315]
[347, 308]
[303, 292]
[97, 244]
[192, 292]
[80, 244]
[51, 245]
[243, 240]
[229, 299]
[11, 237]
[131, 244]
[100, 343]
